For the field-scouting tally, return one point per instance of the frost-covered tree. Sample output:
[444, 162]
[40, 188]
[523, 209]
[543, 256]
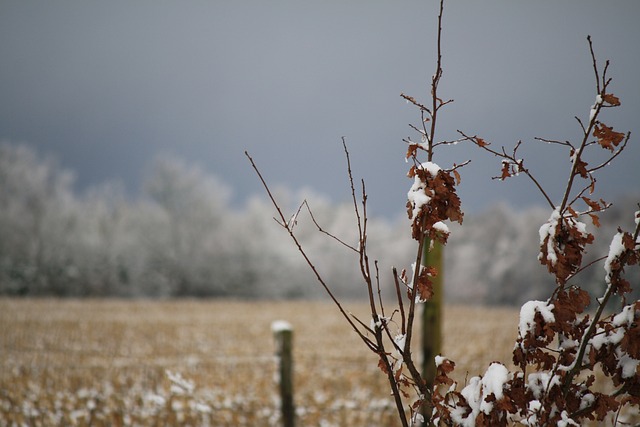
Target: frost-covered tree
[36, 213]
[489, 258]
[105, 242]
[196, 248]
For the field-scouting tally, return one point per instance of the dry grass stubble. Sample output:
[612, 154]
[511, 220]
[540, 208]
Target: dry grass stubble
[105, 362]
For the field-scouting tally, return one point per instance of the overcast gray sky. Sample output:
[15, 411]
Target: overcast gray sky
[106, 86]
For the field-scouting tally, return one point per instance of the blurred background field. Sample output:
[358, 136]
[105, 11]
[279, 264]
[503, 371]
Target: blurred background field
[207, 362]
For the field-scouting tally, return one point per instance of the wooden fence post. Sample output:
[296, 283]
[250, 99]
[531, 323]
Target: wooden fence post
[432, 321]
[283, 335]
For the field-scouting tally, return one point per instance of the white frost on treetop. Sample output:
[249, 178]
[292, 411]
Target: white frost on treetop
[528, 313]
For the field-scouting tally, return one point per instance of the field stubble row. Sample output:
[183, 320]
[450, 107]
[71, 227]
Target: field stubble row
[207, 362]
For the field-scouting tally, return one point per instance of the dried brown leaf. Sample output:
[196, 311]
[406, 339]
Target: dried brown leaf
[480, 142]
[457, 176]
[594, 205]
[607, 137]
[412, 151]
[611, 99]
[572, 212]
[505, 172]
[581, 168]
[425, 285]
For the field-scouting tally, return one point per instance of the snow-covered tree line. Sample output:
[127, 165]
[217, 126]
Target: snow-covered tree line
[182, 237]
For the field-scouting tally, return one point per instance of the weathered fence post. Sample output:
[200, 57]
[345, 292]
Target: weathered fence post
[432, 321]
[283, 335]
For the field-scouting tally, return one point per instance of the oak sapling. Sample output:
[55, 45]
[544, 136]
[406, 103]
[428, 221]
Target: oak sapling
[560, 345]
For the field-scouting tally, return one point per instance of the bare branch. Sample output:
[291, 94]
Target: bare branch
[353, 189]
[519, 163]
[595, 65]
[413, 101]
[321, 230]
[454, 142]
[552, 141]
[304, 254]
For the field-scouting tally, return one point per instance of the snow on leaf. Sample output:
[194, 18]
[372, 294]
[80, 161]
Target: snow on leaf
[432, 198]
[493, 382]
[616, 248]
[562, 243]
[547, 234]
[482, 393]
[527, 315]
[539, 382]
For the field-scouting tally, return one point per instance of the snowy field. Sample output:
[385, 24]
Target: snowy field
[198, 363]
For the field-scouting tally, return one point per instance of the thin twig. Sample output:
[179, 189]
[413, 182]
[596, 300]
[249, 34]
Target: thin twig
[513, 160]
[553, 141]
[595, 65]
[613, 156]
[304, 254]
[321, 230]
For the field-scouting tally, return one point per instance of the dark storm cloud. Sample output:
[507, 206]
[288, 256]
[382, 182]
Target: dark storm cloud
[106, 86]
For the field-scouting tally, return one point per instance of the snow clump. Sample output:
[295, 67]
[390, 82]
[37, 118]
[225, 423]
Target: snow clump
[528, 313]
[416, 195]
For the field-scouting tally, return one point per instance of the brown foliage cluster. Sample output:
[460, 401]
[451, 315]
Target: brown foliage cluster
[557, 354]
[562, 243]
[561, 346]
[443, 203]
